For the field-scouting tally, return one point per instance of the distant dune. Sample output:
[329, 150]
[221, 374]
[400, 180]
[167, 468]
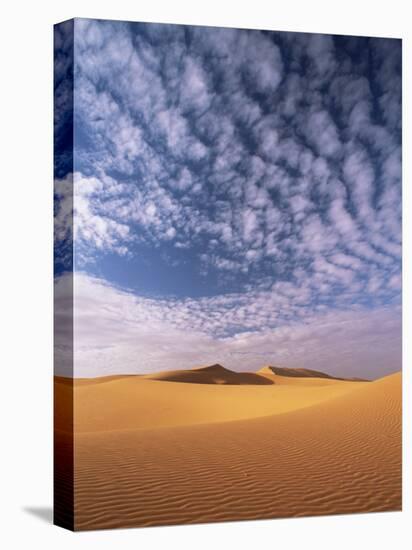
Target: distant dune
[149, 452]
[213, 374]
[302, 373]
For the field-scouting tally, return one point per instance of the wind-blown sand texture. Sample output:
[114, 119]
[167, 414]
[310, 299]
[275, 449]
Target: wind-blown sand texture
[213, 445]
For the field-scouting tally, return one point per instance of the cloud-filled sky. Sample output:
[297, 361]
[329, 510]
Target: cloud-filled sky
[237, 198]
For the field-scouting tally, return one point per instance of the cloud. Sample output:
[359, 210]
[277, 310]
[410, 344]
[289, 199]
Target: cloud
[117, 331]
[322, 133]
[184, 117]
[321, 50]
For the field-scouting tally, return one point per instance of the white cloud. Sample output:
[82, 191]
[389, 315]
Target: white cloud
[116, 331]
[93, 228]
[180, 126]
[323, 134]
[194, 88]
[322, 52]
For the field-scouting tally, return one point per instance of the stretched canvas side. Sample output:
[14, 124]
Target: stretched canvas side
[63, 276]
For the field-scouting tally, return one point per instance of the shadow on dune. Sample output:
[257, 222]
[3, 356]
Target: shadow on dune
[215, 374]
[304, 373]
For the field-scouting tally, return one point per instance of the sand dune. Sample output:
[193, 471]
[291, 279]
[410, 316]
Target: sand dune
[151, 453]
[138, 402]
[213, 374]
[302, 373]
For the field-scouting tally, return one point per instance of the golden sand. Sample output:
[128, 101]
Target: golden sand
[173, 448]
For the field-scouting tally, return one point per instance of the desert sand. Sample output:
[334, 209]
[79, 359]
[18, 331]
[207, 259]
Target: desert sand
[209, 444]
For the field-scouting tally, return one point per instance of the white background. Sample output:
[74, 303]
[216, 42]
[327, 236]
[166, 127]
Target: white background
[26, 273]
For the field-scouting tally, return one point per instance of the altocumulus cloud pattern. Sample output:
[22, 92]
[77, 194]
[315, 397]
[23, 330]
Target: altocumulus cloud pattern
[237, 198]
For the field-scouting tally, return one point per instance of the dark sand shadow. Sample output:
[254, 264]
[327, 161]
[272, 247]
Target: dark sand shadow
[45, 513]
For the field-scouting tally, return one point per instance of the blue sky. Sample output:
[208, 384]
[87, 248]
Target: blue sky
[237, 198]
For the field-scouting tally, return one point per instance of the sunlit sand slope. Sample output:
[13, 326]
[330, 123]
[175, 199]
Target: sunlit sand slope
[131, 402]
[337, 455]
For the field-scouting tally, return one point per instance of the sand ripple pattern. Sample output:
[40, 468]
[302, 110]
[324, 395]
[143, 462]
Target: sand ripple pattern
[340, 456]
